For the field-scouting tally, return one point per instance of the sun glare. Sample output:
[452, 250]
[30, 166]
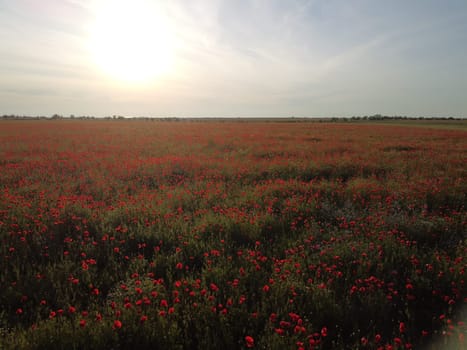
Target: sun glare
[131, 41]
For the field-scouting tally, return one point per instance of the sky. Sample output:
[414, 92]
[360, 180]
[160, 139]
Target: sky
[233, 58]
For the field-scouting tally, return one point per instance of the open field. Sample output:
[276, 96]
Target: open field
[457, 124]
[223, 235]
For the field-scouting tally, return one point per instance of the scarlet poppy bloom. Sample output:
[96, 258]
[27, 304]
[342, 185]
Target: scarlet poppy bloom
[402, 327]
[250, 342]
[82, 323]
[117, 324]
[279, 331]
[324, 331]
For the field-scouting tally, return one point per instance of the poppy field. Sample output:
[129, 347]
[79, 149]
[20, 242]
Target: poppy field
[231, 235]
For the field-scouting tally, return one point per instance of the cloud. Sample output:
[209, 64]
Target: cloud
[264, 56]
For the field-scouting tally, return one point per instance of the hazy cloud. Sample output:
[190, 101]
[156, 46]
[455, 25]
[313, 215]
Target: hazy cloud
[252, 57]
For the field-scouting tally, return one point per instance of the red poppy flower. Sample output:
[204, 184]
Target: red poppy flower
[117, 324]
[250, 342]
[402, 327]
[324, 331]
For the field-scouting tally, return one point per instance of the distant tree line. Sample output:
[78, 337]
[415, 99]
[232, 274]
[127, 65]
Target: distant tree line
[375, 117]
[399, 117]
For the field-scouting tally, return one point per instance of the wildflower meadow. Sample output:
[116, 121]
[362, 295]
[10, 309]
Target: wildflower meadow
[231, 235]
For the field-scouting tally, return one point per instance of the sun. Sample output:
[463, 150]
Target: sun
[131, 41]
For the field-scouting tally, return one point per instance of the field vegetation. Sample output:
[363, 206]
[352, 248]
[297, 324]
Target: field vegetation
[209, 235]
